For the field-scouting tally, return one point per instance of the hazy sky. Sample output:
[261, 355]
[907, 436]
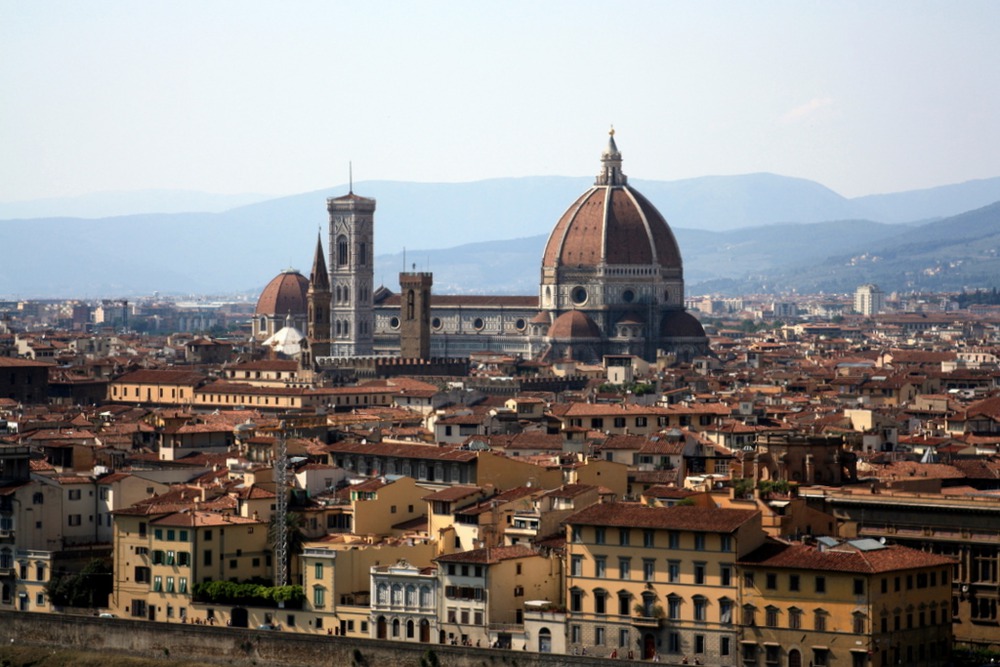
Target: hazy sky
[277, 97]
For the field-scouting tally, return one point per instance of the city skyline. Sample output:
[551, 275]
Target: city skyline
[265, 98]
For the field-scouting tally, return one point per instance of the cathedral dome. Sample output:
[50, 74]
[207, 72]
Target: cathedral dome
[611, 224]
[681, 324]
[574, 324]
[284, 295]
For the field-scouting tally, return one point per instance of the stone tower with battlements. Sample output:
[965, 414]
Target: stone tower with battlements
[415, 315]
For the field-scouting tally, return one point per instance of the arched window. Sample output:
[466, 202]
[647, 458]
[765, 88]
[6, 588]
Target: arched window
[383, 594]
[395, 627]
[409, 304]
[341, 250]
[425, 596]
[397, 594]
[362, 253]
[411, 595]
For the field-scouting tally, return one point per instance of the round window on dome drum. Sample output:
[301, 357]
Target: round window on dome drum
[579, 295]
[477, 323]
[628, 296]
[394, 322]
[436, 323]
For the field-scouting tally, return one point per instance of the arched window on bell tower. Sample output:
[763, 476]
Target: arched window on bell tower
[341, 250]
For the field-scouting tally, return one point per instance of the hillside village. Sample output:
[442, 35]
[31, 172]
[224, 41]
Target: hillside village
[821, 492]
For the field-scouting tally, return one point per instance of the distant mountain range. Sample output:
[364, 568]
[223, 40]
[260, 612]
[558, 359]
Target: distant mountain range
[757, 232]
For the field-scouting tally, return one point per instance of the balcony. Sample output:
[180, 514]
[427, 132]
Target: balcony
[648, 615]
[647, 621]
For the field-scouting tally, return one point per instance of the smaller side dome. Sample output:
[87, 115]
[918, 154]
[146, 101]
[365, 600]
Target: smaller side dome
[681, 324]
[574, 325]
[285, 294]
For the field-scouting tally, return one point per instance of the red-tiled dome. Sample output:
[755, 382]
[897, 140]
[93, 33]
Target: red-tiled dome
[574, 324]
[611, 223]
[284, 295]
[681, 324]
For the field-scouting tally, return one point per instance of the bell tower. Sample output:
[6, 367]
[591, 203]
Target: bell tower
[352, 221]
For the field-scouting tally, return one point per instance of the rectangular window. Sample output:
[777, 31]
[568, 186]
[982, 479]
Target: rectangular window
[793, 582]
[318, 571]
[75, 519]
[699, 541]
[170, 584]
[623, 536]
[771, 581]
[624, 568]
[600, 567]
[576, 600]
[599, 636]
[575, 634]
[599, 536]
[859, 586]
[157, 583]
[673, 571]
[699, 573]
[182, 585]
[648, 569]
[725, 611]
[725, 543]
[819, 622]
[748, 580]
[74, 494]
[724, 646]
[726, 574]
[821, 584]
[319, 596]
[673, 540]
[207, 557]
[648, 538]
[576, 566]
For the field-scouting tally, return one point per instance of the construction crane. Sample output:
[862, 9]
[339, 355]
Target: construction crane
[281, 507]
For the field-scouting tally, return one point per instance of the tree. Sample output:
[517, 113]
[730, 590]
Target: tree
[90, 587]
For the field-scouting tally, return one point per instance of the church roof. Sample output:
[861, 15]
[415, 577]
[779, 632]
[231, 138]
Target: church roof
[284, 295]
[611, 223]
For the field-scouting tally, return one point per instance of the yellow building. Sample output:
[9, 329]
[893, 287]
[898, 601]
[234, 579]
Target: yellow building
[857, 604]
[159, 556]
[643, 581]
[156, 387]
[483, 592]
[336, 580]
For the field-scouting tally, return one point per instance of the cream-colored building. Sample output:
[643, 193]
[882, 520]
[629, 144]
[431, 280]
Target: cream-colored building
[644, 581]
[853, 604]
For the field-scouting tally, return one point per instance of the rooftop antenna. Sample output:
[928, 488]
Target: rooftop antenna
[350, 178]
[404, 259]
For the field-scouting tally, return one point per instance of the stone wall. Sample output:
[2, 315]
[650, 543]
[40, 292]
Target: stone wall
[260, 648]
